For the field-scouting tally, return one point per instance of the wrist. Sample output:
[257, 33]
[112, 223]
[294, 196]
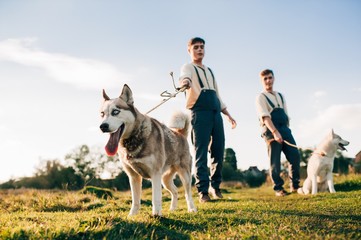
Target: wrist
[274, 131]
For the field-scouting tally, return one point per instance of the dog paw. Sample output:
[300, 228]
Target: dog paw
[306, 192]
[194, 210]
[300, 191]
[133, 212]
[157, 213]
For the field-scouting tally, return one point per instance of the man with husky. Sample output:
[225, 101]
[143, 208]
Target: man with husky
[273, 116]
[203, 99]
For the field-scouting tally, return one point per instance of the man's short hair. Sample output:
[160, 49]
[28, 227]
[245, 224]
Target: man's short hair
[195, 40]
[266, 72]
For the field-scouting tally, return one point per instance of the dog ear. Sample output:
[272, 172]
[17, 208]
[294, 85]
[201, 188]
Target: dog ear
[127, 95]
[105, 96]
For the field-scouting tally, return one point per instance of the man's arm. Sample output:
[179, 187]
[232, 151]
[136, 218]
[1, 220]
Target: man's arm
[230, 118]
[269, 124]
[185, 78]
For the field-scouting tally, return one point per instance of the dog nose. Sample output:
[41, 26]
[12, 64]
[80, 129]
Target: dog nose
[104, 127]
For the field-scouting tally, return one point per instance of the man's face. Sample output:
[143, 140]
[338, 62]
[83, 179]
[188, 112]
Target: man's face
[267, 82]
[196, 51]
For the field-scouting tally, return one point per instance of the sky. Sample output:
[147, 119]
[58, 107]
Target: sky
[57, 56]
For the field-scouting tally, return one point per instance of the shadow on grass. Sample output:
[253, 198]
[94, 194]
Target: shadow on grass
[320, 217]
[321, 222]
[142, 202]
[161, 228]
[348, 186]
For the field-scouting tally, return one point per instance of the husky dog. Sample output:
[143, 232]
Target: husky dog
[148, 149]
[320, 165]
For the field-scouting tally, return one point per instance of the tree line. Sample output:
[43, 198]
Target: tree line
[90, 167]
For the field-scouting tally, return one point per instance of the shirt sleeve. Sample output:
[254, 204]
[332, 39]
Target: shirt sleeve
[262, 108]
[185, 72]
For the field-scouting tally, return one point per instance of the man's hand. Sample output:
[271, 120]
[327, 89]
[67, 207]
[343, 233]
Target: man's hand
[186, 83]
[230, 118]
[278, 136]
[232, 121]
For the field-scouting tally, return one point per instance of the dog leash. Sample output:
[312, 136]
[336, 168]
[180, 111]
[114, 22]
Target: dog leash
[167, 95]
[295, 146]
[290, 144]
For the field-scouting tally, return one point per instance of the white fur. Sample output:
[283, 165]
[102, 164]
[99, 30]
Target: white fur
[320, 165]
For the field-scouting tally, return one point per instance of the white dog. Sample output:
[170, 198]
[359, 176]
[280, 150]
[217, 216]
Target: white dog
[320, 165]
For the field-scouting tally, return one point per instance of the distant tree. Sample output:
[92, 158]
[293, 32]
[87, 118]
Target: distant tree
[11, 184]
[57, 175]
[50, 174]
[230, 158]
[106, 166]
[82, 166]
[229, 173]
[50, 171]
[341, 164]
[121, 182]
[254, 177]
[80, 160]
[305, 154]
[91, 164]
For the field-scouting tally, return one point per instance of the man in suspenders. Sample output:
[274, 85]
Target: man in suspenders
[202, 98]
[273, 116]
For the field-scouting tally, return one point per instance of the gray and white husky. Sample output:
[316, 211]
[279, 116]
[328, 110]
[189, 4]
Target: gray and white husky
[320, 165]
[148, 149]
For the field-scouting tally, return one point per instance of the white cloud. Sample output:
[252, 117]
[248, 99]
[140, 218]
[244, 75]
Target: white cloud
[319, 94]
[3, 128]
[81, 72]
[345, 117]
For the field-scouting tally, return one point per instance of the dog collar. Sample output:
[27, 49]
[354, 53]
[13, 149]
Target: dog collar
[322, 154]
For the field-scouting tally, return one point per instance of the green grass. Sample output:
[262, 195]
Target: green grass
[242, 214]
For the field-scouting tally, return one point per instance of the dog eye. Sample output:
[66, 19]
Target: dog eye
[102, 114]
[115, 112]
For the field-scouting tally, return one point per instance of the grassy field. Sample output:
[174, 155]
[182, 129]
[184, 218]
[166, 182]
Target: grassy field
[242, 214]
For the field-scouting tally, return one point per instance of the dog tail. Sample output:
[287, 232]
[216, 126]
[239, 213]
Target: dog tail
[179, 122]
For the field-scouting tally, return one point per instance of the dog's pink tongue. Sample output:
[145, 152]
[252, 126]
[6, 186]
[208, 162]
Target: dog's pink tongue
[112, 146]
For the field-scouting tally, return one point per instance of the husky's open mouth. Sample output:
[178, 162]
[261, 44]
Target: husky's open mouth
[112, 146]
[341, 146]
